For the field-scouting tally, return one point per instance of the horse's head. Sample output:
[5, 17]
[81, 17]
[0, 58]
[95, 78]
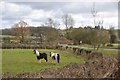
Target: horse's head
[52, 54]
[34, 51]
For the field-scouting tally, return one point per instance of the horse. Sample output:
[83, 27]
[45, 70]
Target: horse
[55, 56]
[40, 55]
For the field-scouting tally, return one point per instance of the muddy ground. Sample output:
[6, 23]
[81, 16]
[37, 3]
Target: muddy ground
[105, 67]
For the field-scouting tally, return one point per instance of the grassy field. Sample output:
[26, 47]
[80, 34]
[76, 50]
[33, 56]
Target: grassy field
[113, 46]
[109, 52]
[106, 52]
[116, 45]
[23, 60]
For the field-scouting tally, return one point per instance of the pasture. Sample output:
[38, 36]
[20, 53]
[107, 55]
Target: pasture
[23, 60]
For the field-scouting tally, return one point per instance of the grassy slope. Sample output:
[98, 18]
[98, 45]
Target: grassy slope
[23, 60]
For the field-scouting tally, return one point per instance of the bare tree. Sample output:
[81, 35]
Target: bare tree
[50, 22]
[21, 31]
[56, 24]
[100, 21]
[94, 13]
[94, 37]
[112, 35]
[68, 21]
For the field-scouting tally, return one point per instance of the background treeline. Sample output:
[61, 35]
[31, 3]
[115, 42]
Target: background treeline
[76, 34]
[48, 37]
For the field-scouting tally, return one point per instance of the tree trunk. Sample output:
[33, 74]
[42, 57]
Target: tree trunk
[94, 47]
[98, 47]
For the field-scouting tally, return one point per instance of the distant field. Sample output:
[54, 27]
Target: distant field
[113, 45]
[109, 52]
[23, 60]
[6, 36]
[116, 45]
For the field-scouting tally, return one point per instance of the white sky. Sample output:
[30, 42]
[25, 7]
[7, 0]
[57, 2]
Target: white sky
[36, 13]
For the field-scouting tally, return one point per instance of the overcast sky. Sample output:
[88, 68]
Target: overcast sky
[36, 13]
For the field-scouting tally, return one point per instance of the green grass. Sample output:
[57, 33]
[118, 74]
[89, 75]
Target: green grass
[106, 52]
[23, 60]
[116, 45]
[6, 36]
[109, 52]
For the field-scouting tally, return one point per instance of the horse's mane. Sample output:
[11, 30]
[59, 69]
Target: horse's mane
[37, 53]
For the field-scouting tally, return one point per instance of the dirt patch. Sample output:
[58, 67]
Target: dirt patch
[102, 68]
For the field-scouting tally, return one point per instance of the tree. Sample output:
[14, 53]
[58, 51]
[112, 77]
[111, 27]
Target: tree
[46, 34]
[51, 34]
[94, 37]
[94, 13]
[103, 37]
[112, 35]
[21, 31]
[68, 21]
[50, 22]
[118, 33]
[56, 24]
[100, 24]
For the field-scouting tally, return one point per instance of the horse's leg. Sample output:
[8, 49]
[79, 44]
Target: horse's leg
[45, 58]
[55, 60]
[52, 60]
[39, 61]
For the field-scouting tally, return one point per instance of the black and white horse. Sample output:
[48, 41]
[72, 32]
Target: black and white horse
[55, 57]
[40, 55]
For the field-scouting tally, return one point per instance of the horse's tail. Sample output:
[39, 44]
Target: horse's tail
[46, 58]
[58, 58]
